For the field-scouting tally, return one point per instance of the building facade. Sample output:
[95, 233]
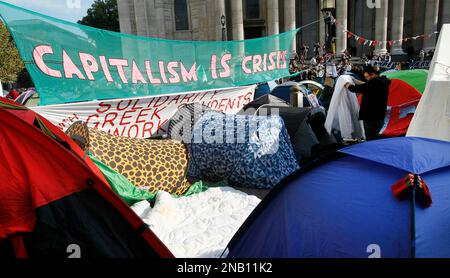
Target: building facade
[213, 20]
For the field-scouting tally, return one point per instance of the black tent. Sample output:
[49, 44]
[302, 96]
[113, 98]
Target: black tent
[306, 129]
[252, 107]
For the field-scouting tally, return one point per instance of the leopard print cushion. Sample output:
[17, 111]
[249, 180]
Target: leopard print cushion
[78, 131]
[149, 164]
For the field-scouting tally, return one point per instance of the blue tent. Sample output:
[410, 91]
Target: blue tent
[344, 207]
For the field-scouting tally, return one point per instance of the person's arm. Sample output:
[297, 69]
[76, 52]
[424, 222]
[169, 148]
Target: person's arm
[357, 81]
[357, 88]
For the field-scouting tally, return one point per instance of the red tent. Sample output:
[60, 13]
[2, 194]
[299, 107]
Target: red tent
[52, 196]
[402, 103]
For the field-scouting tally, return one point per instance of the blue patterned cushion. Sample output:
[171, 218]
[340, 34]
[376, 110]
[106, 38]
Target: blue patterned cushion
[246, 151]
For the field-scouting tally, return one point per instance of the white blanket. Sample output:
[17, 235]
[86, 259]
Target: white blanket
[343, 113]
[197, 226]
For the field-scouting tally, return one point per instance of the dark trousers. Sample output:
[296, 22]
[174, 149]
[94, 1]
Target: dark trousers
[372, 129]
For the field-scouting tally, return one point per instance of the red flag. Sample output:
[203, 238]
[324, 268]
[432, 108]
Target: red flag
[390, 43]
[349, 34]
[361, 40]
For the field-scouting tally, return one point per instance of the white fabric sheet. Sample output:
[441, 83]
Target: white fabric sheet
[197, 226]
[343, 113]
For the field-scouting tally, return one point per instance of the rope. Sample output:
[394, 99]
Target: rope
[423, 36]
[314, 22]
[12, 106]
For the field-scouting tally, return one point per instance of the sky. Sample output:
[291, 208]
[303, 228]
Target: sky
[70, 10]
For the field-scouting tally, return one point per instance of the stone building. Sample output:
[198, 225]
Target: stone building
[244, 19]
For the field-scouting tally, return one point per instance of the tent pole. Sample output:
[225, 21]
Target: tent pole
[413, 219]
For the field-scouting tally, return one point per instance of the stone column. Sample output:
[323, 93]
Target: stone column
[215, 10]
[322, 26]
[289, 20]
[398, 16]
[445, 12]
[237, 20]
[163, 30]
[123, 7]
[141, 18]
[220, 11]
[341, 17]
[381, 20]
[272, 17]
[431, 23]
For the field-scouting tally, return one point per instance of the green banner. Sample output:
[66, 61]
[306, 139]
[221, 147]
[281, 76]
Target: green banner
[70, 62]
